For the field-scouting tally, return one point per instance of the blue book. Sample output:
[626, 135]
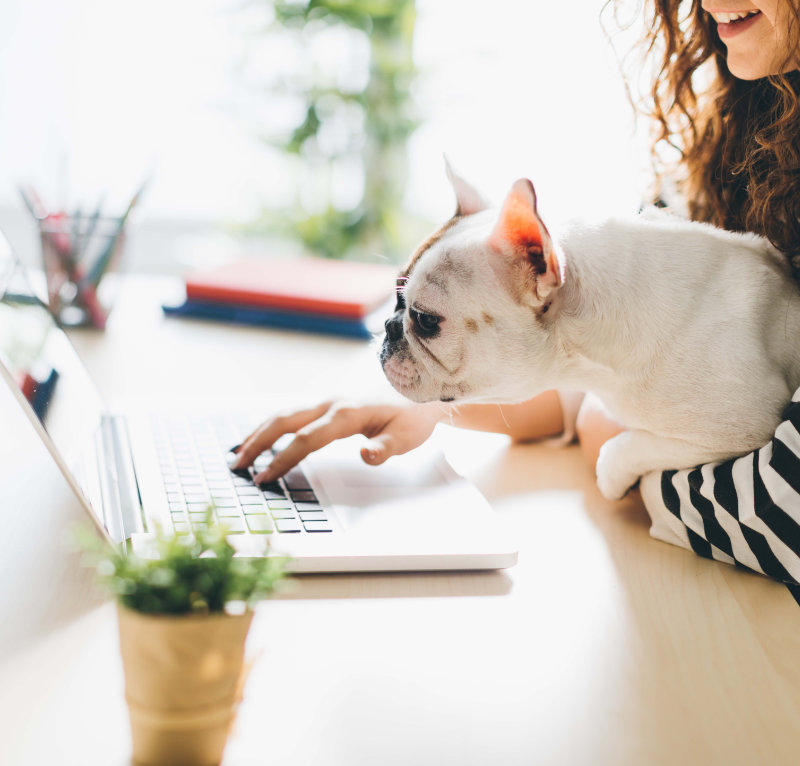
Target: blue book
[364, 329]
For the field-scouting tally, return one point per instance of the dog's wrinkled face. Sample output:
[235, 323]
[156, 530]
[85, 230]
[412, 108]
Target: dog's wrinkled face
[471, 304]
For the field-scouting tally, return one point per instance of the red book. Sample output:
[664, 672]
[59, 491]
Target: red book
[312, 285]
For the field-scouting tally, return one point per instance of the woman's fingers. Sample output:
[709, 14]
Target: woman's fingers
[391, 430]
[395, 440]
[337, 422]
[272, 430]
[405, 430]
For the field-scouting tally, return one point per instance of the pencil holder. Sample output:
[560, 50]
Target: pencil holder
[81, 255]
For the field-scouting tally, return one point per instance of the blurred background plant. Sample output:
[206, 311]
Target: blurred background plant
[345, 83]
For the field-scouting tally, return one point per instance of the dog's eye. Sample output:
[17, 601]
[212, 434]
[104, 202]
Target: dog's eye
[428, 324]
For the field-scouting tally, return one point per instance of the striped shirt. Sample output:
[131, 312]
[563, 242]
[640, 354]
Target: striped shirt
[744, 511]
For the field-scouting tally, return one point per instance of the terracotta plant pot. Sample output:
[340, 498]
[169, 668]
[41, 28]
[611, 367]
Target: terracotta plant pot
[183, 682]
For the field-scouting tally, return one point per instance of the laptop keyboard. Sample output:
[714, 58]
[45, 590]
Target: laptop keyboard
[192, 457]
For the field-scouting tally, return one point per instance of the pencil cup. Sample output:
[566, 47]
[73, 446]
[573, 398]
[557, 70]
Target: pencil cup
[81, 255]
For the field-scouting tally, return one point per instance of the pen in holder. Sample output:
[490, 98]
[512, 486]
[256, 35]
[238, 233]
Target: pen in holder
[79, 253]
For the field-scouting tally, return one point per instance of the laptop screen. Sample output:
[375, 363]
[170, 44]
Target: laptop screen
[43, 365]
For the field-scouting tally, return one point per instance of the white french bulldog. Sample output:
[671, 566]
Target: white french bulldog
[690, 335]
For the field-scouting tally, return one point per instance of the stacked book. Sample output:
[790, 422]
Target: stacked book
[313, 294]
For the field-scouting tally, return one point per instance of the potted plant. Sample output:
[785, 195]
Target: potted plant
[184, 612]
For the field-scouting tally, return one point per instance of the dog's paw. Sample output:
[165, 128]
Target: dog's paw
[613, 479]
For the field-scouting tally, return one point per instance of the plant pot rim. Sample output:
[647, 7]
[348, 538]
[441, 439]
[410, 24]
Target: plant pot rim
[186, 616]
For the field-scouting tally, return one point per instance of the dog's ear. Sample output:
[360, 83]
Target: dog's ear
[468, 199]
[520, 233]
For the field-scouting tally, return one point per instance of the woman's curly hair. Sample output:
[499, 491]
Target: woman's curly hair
[737, 141]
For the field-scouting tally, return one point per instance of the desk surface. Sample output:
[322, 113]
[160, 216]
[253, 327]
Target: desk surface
[602, 646]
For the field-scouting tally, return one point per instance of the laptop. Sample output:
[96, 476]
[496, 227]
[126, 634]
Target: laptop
[139, 469]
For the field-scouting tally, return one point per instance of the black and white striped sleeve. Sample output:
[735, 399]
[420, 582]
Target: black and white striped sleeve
[744, 511]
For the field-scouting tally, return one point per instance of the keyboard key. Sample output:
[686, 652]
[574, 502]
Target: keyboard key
[252, 500]
[181, 528]
[260, 524]
[225, 502]
[251, 490]
[296, 479]
[287, 525]
[193, 497]
[234, 526]
[175, 507]
[319, 516]
[317, 526]
[276, 505]
[250, 510]
[308, 507]
[304, 496]
[227, 513]
[272, 491]
[283, 513]
[197, 507]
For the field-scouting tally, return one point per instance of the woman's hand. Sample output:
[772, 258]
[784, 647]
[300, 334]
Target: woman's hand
[594, 427]
[391, 430]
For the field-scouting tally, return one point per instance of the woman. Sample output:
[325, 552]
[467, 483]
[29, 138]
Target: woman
[738, 142]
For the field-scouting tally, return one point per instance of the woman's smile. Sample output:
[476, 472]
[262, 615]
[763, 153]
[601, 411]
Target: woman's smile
[756, 35]
[731, 23]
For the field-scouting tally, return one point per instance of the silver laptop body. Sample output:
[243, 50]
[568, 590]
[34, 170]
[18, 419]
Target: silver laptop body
[139, 468]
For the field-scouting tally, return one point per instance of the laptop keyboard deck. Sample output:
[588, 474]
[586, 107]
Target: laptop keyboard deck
[192, 457]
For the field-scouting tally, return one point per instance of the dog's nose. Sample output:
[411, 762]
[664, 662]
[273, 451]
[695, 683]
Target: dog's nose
[394, 328]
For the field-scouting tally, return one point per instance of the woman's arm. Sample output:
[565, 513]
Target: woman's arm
[537, 418]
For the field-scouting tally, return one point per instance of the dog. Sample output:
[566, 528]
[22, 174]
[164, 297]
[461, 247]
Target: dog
[690, 335]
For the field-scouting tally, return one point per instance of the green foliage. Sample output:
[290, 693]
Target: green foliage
[378, 120]
[188, 574]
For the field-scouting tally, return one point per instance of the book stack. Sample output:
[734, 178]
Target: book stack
[344, 298]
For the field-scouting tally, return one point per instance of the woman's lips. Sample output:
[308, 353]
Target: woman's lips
[733, 28]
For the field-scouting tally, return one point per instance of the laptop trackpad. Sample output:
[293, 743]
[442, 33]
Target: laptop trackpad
[344, 476]
[398, 473]
[419, 486]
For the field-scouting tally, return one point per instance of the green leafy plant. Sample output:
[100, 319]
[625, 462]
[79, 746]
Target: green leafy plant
[187, 574]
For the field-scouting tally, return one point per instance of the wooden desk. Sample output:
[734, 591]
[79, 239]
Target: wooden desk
[602, 646]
